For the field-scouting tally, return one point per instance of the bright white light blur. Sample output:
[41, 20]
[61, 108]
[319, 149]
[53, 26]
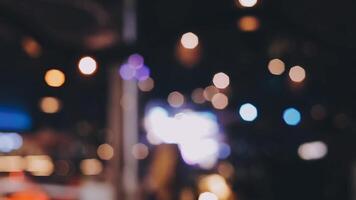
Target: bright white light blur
[87, 65]
[221, 80]
[312, 150]
[10, 142]
[248, 3]
[194, 132]
[248, 112]
[203, 152]
[187, 127]
[208, 196]
[189, 40]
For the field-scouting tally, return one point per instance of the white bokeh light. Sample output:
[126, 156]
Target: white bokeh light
[248, 3]
[208, 196]
[189, 40]
[312, 150]
[221, 80]
[248, 112]
[194, 132]
[10, 142]
[87, 65]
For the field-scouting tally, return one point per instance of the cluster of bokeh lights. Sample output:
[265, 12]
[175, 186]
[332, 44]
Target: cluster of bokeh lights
[134, 68]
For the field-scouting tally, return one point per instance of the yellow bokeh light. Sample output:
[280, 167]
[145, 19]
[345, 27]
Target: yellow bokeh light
[50, 105]
[198, 96]
[189, 40]
[297, 74]
[220, 101]
[105, 152]
[276, 66]
[91, 167]
[247, 3]
[87, 65]
[175, 99]
[209, 92]
[39, 165]
[146, 85]
[140, 151]
[12, 164]
[215, 184]
[54, 78]
[221, 80]
[249, 23]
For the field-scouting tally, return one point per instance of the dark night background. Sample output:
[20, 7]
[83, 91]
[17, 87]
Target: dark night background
[318, 35]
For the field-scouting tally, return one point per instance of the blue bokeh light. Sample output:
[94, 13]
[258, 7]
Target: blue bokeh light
[292, 116]
[14, 120]
[248, 112]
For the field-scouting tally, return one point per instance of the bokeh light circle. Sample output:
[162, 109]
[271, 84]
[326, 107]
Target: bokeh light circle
[219, 101]
[175, 99]
[189, 40]
[221, 80]
[292, 116]
[248, 112]
[87, 65]
[248, 3]
[248, 23]
[50, 105]
[297, 74]
[208, 196]
[276, 66]
[54, 78]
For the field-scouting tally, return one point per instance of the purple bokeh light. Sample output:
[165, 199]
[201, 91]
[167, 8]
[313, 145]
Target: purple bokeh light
[135, 61]
[127, 72]
[142, 73]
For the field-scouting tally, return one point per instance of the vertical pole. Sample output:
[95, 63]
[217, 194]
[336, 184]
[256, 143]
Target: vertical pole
[130, 138]
[130, 111]
[114, 132]
[123, 134]
[123, 118]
